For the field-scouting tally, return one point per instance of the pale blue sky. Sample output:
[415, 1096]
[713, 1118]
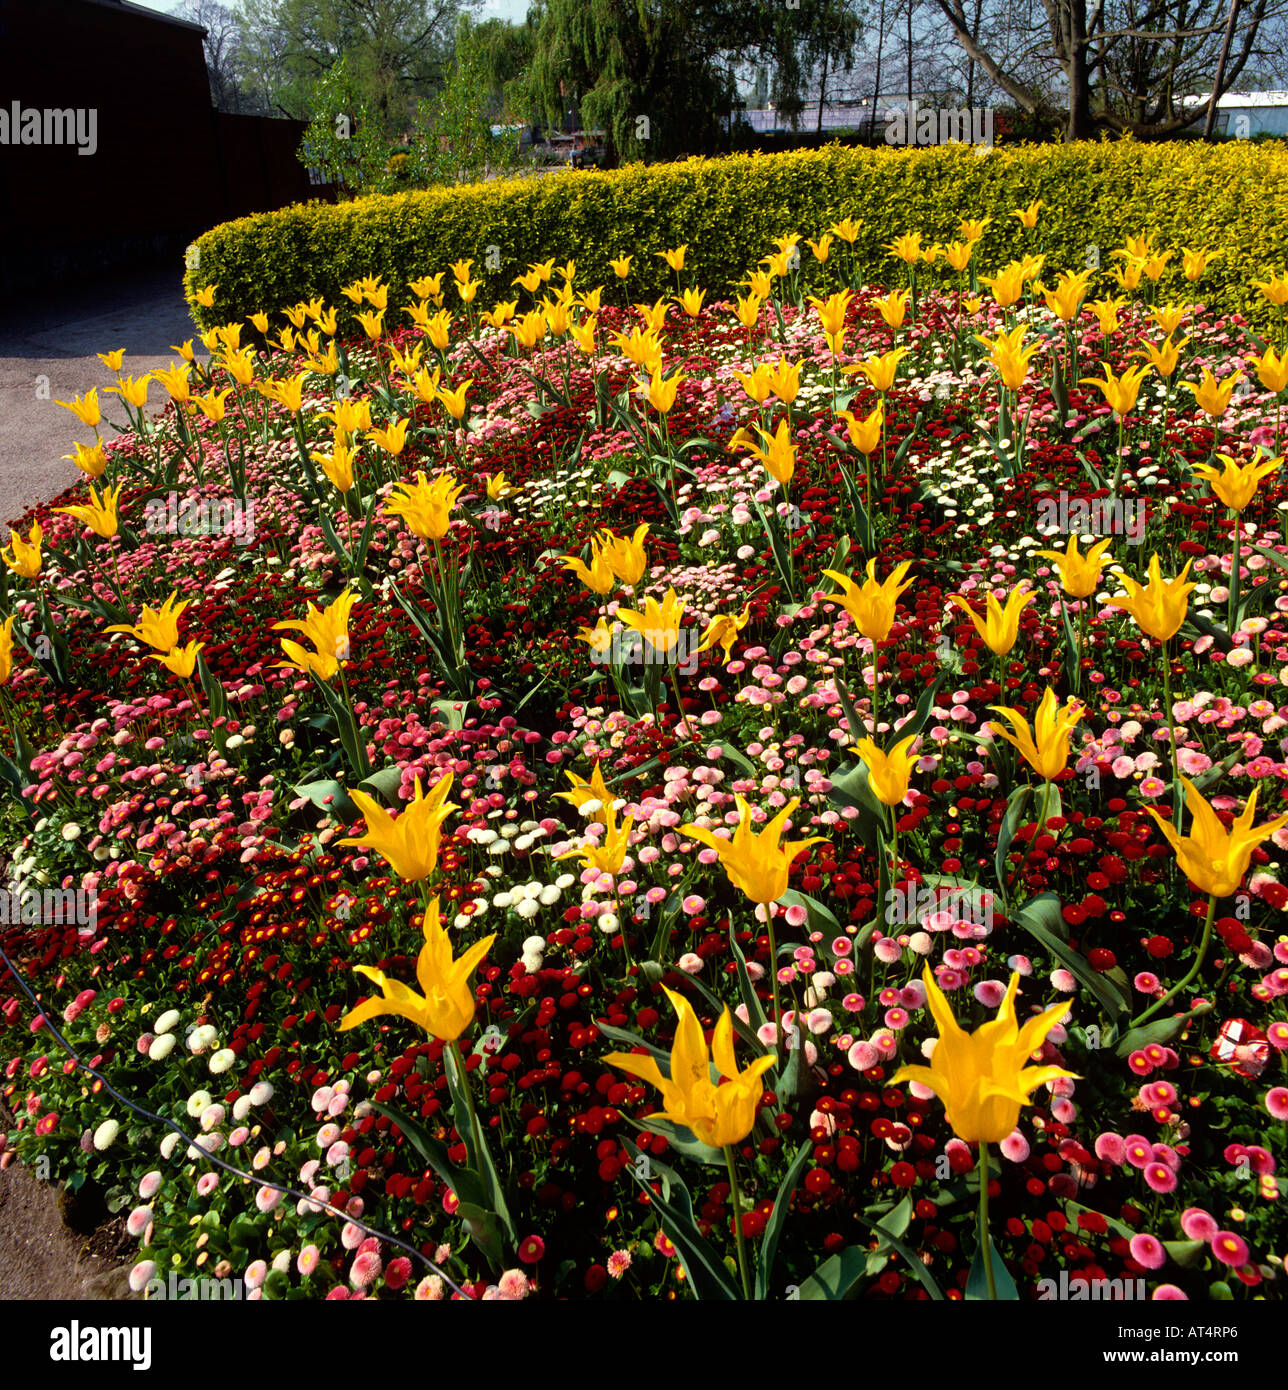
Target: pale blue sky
[513, 10]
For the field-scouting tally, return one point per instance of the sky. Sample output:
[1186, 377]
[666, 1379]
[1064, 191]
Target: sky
[513, 10]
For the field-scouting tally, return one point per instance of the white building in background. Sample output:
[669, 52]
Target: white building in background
[1244, 114]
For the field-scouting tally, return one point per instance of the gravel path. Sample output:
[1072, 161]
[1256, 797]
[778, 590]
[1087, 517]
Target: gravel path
[47, 354]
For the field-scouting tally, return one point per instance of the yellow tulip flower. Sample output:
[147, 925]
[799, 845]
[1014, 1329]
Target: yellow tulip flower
[175, 381]
[1028, 216]
[906, 248]
[1106, 312]
[691, 301]
[831, 312]
[157, 628]
[446, 1007]
[598, 577]
[410, 843]
[1169, 316]
[1236, 484]
[785, 378]
[1008, 358]
[337, 465]
[583, 793]
[621, 266]
[848, 230]
[373, 324]
[981, 1078]
[1274, 290]
[779, 454]
[1164, 357]
[864, 434]
[85, 408]
[1046, 747]
[609, 852]
[1007, 285]
[719, 1115]
[112, 360]
[675, 258]
[660, 393]
[99, 515]
[425, 507]
[757, 383]
[958, 254]
[327, 628]
[722, 631]
[6, 649]
[206, 297]
[1079, 574]
[181, 661]
[1159, 607]
[454, 400]
[999, 627]
[1194, 263]
[91, 461]
[393, 437]
[821, 248]
[213, 405]
[893, 307]
[880, 371]
[888, 773]
[1272, 371]
[1211, 396]
[1068, 294]
[1120, 392]
[23, 557]
[871, 605]
[583, 334]
[498, 488]
[659, 623]
[625, 555]
[757, 865]
[1210, 856]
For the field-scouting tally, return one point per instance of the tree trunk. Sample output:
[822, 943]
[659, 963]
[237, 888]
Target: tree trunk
[876, 97]
[1080, 125]
[822, 92]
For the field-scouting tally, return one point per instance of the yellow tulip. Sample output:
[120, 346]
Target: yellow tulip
[848, 230]
[85, 408]
[1164, 357]
[621, 266]
[831, 312]
[1213, 858]
[722, 631]
[206, 297]
[1046, 747]
[214, 404]
[906, 248]
[757, 383]
[958, 254]
[583, 334]
[691, 301]
[23, 557]
[1068, 294]
[1272, 371]
[880, 371]
[1007, 285]
[181, 661]
[175, 381]
[425, 507]
[1106, 312]
[864, 434]
[1236, 484]
[1079, 574]
[327, 628]
[821, 248]
[157, 628]
[373, 324]
[410, 843]
[91, 461]
[598, 577]
[999, 627]
[608, 853]
[659, 623]
[583, 793]
[675, 258]
[454, 400]
[99, 515]
[625, 555]
[112, 360]
[871, 605]
[393, 437]
[785, 378]
[1159, 607]
[1121, 392]
[1274, 290]
[1008, 358]
[6, 649]
[757, 865]
[1195, 263]
[981, 1078]
[1028, 216]
[338, 466]
[888, 773]
[779, 454]
[1168, 317]
[446, 1007]
[719, 1115]
[660, 392]
[893, 307]
[1213, 397]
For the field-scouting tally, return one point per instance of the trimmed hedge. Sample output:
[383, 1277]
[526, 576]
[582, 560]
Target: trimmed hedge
[1232, 197]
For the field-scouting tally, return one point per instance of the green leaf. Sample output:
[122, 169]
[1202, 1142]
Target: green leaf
[977, 1283]
[633, 1040]
[1038, 917]
[329, 796]
[1016, 804]
[385, 783]
[703, 1267]
[777, 1219]
[1162, 1030]
[681, 1139]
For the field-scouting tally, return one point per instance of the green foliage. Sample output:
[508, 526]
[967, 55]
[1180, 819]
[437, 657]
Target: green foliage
[1231, 198]
[342, 139]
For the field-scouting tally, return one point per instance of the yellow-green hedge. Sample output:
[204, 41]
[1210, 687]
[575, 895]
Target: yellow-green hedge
[1231, 197]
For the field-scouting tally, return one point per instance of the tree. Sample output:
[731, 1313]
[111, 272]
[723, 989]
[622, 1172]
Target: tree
[396, 51]
[223, 44]
[343, 142]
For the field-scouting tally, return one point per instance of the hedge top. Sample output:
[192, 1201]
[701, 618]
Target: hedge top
[1231, 198]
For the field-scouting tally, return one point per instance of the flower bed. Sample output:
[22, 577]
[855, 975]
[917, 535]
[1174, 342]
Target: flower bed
[436, 758]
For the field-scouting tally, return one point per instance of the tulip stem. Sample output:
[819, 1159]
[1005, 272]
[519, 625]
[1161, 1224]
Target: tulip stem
[476, 1135]
[985, 1243]
[1178, 806]
[773, 974]
[1193, 970]
[736, 1202]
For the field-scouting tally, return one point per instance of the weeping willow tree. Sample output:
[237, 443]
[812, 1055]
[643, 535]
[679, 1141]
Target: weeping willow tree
[656, 76]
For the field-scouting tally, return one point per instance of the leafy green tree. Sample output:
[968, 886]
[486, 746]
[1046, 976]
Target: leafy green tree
[342, 141]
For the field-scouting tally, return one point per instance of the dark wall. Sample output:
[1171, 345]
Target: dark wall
[166, 166]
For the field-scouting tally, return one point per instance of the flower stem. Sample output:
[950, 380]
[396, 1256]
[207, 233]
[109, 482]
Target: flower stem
[736, 1202]
[1193, 970]
[1178, 805]
[773, 973]
[476, 1134]
[985, 1243]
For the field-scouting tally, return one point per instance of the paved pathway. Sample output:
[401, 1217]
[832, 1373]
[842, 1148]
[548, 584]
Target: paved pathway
[47, 354]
